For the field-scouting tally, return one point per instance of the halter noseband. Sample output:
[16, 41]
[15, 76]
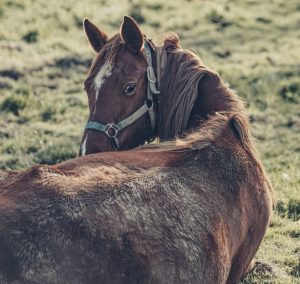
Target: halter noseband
[112, 130]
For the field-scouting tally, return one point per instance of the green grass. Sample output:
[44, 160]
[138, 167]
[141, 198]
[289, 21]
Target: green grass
[255, 45]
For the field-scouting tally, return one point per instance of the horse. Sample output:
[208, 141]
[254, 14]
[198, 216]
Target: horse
[138, 91]
[191, 210]
[120, 82]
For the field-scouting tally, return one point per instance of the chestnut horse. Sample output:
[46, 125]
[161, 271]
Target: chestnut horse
[137, 91]
[121, 105]
[187, 211]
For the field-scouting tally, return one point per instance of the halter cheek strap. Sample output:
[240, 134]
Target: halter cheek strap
[151, 89]
[112, 130]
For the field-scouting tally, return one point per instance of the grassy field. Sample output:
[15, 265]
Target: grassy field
[255, 46]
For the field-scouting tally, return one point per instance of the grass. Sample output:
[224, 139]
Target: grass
[255, 45]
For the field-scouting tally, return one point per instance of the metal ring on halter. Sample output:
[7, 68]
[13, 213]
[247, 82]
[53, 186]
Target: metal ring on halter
[111, 127]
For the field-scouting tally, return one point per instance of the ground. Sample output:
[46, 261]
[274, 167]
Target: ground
[254, 45]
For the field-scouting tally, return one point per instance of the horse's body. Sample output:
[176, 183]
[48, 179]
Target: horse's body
[191, 213]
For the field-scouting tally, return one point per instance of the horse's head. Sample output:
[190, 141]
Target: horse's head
[120, 88]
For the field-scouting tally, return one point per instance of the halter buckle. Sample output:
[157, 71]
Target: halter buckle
[111, 130]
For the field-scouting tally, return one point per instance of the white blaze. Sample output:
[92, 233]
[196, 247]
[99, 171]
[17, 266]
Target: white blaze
[83, 146]
[104, 72]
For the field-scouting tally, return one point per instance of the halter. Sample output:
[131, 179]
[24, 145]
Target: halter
[111, 130]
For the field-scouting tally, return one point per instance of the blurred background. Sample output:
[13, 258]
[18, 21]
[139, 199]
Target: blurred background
[254, 45]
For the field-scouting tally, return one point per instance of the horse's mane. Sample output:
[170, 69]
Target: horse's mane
[187, 83]
[212, 130]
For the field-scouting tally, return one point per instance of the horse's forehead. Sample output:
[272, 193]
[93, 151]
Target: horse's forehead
[119, 68]
[104, 72]
[122, 64]
[128, 64]
[127, 69]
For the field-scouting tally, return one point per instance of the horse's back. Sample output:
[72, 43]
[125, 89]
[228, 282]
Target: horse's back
[160, 225]
[121, 234]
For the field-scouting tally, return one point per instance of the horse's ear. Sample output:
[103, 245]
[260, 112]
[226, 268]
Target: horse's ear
[96, 38]
[240, 126]
[131, 34]
[172, 42]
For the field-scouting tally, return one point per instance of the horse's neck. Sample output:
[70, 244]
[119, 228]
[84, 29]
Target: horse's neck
[213, 98]
[190, 92]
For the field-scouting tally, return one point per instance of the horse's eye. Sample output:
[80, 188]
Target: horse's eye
[129, 89]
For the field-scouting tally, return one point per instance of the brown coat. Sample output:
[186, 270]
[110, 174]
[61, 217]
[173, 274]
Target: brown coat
[191, 211]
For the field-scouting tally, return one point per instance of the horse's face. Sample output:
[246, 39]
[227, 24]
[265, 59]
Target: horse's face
[116, 87]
